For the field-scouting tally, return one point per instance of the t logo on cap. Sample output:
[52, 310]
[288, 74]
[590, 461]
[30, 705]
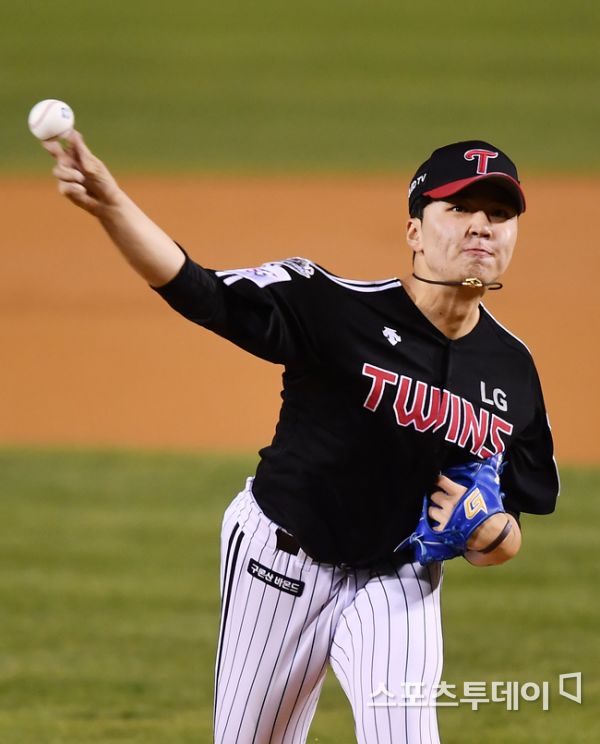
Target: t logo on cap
[482, 159]
[454, 167]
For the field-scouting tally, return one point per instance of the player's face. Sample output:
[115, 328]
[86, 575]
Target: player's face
[471, 234]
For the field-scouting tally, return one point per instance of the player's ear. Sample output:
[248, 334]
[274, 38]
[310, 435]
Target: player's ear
[413, 233]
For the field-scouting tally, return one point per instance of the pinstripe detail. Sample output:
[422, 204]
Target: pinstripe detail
[309, 709]
[242, 562]
[360, 669]
[287, 679]
[243, 665]
[273, 649]
[254, 626]
[407, 647]
[437, 608]
[373, 639]
[307, 712]
[334, 644]
[360, 661]
[389, 645]
[437, 654]
[260, 658]
[222, 625]
[410, 613]
[233, 531]
[424, 647]
[353, 657]
[227, 584]
[312, 646]
[340, 665]
[342, 649]
[321, 676]
[311, 702]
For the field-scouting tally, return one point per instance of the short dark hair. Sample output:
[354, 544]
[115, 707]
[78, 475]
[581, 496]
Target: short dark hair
[419, 205]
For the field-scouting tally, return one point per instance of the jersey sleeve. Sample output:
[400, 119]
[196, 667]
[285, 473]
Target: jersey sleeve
[530, 478]
[267, 311]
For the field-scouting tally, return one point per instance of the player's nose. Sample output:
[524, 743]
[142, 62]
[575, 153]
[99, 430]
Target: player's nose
[480, 224]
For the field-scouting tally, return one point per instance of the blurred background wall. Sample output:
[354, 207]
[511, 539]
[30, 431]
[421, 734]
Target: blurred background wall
[255, 131]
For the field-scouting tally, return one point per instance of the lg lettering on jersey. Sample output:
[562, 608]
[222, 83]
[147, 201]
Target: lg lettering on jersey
[482, 159]
[426, 407]
[498, 398]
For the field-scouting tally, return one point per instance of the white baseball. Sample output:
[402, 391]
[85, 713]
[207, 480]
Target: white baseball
[51, 118]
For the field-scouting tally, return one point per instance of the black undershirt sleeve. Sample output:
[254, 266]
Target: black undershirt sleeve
[268, 321]
[530, 477]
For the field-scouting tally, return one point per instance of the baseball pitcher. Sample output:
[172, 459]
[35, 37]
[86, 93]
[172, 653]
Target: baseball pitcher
[412, 430]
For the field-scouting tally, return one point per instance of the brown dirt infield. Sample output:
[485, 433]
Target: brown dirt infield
[93, 357]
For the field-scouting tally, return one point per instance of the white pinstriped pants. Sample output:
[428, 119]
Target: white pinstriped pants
[380, 632]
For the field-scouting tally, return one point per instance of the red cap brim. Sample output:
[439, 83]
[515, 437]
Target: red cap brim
[448, 189]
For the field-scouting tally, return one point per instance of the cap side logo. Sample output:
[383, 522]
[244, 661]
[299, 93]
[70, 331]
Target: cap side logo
[418, 181]
[482, 159]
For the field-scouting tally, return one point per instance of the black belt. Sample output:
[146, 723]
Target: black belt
[289, 544]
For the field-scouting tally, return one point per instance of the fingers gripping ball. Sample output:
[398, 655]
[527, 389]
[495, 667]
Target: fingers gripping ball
[482, 499]
[50, 119]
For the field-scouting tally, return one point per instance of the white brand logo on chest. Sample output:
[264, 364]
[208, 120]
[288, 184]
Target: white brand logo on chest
[498, 398]
[392, 335]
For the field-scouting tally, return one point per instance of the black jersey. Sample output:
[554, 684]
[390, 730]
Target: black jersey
[376, 402]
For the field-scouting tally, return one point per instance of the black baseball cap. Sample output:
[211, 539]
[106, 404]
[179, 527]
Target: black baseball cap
[451, 168]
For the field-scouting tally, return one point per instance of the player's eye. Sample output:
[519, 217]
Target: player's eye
[457, 208]
[502, 214]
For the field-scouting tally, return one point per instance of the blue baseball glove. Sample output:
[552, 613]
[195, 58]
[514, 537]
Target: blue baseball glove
[482, 498]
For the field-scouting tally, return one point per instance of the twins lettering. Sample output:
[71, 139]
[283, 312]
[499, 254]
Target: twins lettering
[428, 408]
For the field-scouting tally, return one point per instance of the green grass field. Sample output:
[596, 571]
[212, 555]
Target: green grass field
[109, 604]
[337, 85]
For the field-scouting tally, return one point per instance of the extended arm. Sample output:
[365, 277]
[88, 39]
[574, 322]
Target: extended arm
[87, 182]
